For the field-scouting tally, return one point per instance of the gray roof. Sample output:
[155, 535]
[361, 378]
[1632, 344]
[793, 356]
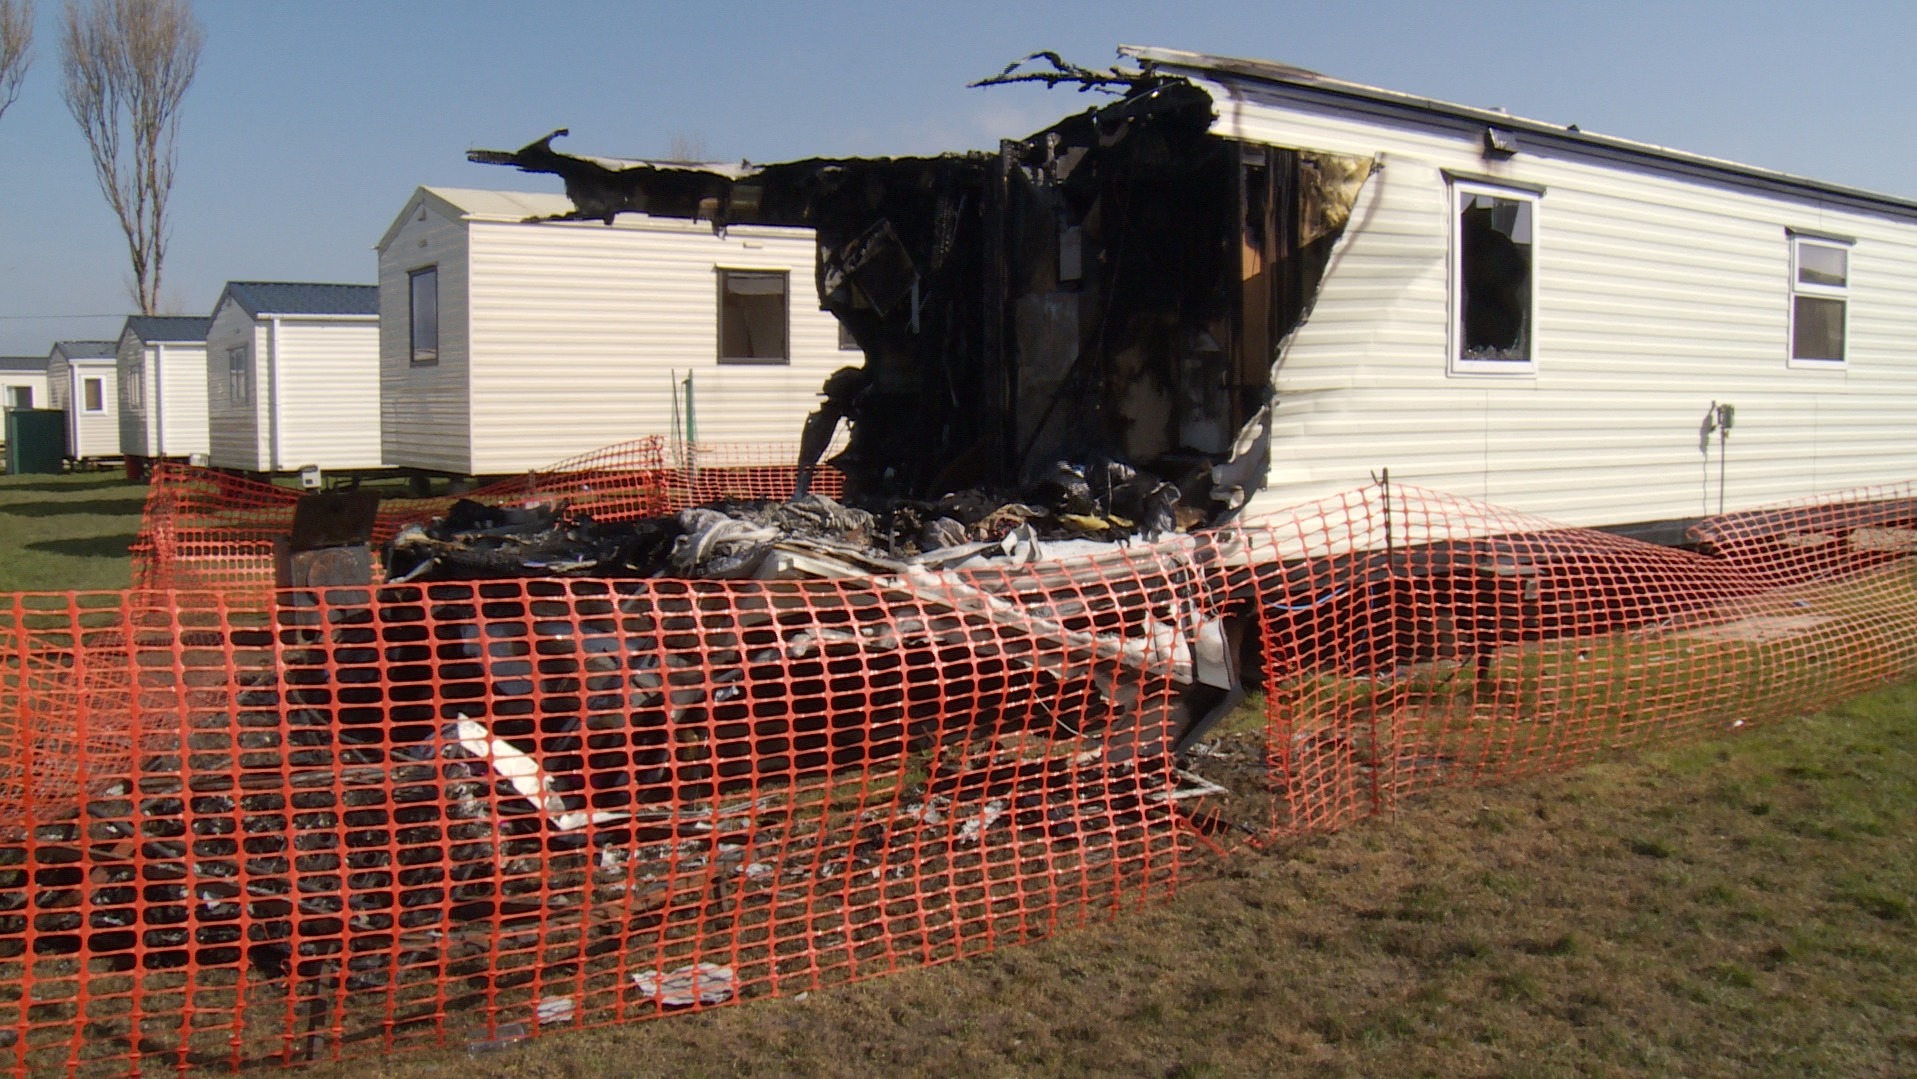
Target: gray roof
[167, 327]
[1292, 82]
[88, 350]
[23, 363]
[301, 298]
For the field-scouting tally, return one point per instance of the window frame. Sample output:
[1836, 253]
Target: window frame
[239, 376]
[133, 388]
[14, 393]
[412, 317]
[721, 274]
[1459, 191]
[93, 380]
[1798, 288]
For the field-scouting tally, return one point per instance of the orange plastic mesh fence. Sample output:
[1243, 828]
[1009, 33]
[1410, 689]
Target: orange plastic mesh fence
[349, 823]
[204, 529]
[1412, 639]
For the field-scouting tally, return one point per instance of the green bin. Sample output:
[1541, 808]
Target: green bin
[36, 440]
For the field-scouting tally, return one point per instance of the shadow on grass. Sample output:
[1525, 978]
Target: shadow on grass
[65, 486]
[106, 507]
[114, 546]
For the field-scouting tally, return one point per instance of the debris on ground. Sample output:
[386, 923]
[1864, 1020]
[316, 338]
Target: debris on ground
[1072, 509]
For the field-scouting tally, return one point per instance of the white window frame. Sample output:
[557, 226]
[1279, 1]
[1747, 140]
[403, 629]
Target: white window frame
[1840, 293]
[416, 356]
[239, 376]
[84, 410]
[131, 395]
[1460, 190]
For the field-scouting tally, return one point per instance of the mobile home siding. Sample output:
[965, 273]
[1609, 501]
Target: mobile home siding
[323, 378]
[425, 414]
[170, 418]
[32, 380]
[566, 318]
[1657, 295]
[234, 434]
[133, 366]
[89, 434]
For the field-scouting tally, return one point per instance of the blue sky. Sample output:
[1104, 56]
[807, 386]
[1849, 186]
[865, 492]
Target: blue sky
[311, 122]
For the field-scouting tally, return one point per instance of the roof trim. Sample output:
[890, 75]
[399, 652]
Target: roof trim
[1771, 180]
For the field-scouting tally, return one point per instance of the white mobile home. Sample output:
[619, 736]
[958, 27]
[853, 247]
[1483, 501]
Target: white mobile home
[1298, 282]
[508, 345]
[80, 381]
[23, 382]
[162, 385]
[1647, 288]
[292, 377]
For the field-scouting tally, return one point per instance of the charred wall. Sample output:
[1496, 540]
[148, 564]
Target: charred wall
[1113, 287]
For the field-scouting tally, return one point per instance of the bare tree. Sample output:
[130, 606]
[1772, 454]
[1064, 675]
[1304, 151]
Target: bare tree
[16, 38]
[686, 147]
[126, 66]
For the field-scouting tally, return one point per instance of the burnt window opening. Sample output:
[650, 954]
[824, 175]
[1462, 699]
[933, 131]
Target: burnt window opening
[1820, 299]
[847, 342]
[752, 316]
[423, 316]
[1493, 325]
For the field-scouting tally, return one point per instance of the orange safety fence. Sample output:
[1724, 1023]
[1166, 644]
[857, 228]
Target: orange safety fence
[206, 529]
[348, 823]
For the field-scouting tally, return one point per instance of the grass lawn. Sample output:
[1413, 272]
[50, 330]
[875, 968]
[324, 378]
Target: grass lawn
[1743, 906]
[67, 532]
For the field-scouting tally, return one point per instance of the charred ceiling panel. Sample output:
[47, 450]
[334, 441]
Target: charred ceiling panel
[1111, 288]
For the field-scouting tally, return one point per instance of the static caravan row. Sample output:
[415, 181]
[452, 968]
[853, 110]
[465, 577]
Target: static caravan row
[162, 379]
[1328, 280]
[80, 380]
[292, 377]
[23, 381]
[507, 344]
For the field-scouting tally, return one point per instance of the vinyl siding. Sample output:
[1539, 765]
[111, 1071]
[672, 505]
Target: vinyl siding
[425, 419]
[579, 331]
[176, 392]
[327, 392]
[234, 431]
[1657, 296]
[131, 362]
[91, 434]
[38, 381]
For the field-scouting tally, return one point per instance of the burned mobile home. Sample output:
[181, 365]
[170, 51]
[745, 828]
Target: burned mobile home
[1266, 285]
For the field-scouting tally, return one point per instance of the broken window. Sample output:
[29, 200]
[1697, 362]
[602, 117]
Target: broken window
[752, 316]
[423, 317]
[1820, 287]
[1495, 310]
[93, 394]
[847, 342]
[239, 375]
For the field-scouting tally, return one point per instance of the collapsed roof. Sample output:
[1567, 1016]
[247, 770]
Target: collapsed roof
[1112, 287]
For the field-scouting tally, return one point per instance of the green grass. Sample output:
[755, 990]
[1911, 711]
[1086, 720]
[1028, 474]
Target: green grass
[67, 532]
[1741, 906]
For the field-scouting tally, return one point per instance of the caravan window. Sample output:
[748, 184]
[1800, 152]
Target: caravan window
[752, 316]
[19, 396]
[423, 303]
[1493, 291]
[1820, 300]
[239, 376]
[130, 387]
[93, 394]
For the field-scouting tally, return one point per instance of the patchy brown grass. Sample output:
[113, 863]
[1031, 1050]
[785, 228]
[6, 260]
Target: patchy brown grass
[1742, 907]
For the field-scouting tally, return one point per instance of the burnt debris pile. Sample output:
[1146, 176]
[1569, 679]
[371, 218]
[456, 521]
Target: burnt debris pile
[1072, 509]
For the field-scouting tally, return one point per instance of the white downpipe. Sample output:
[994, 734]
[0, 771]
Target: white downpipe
[156, 416]
[273, 393]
